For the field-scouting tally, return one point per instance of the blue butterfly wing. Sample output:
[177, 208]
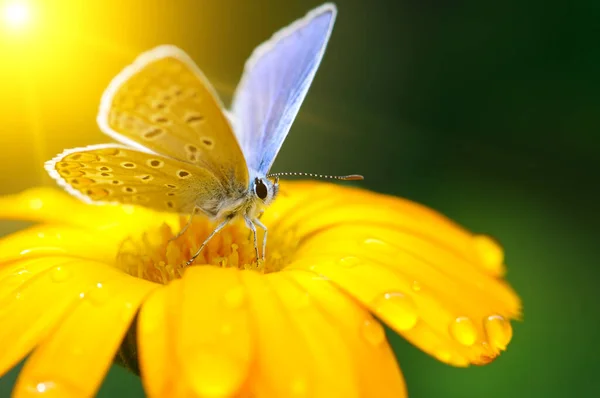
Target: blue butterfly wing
[275, 81]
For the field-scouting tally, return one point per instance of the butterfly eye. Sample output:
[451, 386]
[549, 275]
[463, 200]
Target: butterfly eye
[260, 189]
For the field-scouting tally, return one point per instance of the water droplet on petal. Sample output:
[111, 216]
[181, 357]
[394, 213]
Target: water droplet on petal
[498, 330]
[490, 253]
[373, 332]
[36, 204]
[234, 297]
[463, 330]
[349, 261]
[416, 286]
[398, 309]
[98, 294]
[380, 246]
[299, 387]
[443, 356]
[60, 274]
[214, 374]
[44, 387]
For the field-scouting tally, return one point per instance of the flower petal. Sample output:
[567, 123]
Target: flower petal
[331, 359]
[34, 295]
[53, 240]
[346, 206]
[422, 316]
[156, 334]
[372, 358]
[284, 365]
[86, 339]
[49, 205]
[429, 279]
[156, 337]
[215, 337]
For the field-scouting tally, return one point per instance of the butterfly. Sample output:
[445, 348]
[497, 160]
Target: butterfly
[180, 150]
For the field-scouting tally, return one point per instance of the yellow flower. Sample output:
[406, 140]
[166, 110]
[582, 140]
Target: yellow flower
[300, 324]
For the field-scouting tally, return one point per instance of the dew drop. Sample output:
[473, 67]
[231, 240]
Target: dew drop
[299, 387]
[234, 297]
[60, 274]
[490, 253]
[36, 204]
[416, 286]
[443, 356]
[44, 387]
[98, 294]
[349, 261]
[498, 331]
[373, 332]
[398, 308]
[463, 330]
[380, 246]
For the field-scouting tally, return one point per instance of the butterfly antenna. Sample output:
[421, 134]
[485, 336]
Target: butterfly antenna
[351, 177]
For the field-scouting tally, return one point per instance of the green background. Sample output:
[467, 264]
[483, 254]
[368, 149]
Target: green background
[486, 111]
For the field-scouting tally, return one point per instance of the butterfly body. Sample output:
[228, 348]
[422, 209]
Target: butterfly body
[179, 151]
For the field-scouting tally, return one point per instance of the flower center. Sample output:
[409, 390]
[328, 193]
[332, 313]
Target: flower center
[158, 255]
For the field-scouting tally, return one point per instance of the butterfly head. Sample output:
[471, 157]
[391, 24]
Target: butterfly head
[265, 189]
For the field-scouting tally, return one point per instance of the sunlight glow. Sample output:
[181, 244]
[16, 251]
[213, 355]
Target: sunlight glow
[16, 14]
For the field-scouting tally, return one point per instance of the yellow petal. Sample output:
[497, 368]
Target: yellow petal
[53, 240]
[86, 339]
[313, 207]
[284, 365]
[43, 290]
[333, 374]
[420, 316]
[157, 335]
[216, 337]
[57, 207]
[372, 359]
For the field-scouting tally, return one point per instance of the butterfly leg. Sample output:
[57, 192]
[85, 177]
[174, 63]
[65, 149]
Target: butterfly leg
[213, 233]
[250, 225]
[264, 243]
[182, 230]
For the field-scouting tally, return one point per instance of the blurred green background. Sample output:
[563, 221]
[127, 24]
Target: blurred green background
[486, 111]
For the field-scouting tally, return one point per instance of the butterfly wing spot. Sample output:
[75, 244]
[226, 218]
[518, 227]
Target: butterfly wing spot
[171, 186]
[170, 193]
[82, 182]
[170, 204]
[155, 163]
[106, 175]
[193, 118]
[208, 143]
[110, 152]
[83, 157]
[159, 105]
[160, 119]
[153, 133]
[145, 178]
[141, 199]
[97, 193]
[192, 152]
[72, 173]
[67, 165]
[128, 165]
[104, 168]
[129, 190]
[116, 182]
[177, 91]
[183, 174]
